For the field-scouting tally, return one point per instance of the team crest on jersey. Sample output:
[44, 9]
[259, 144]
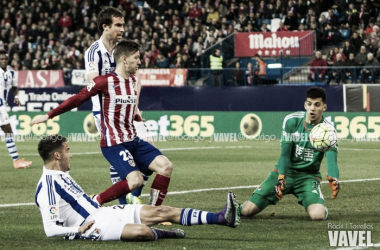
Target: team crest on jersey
[92, 66]
[125, 99]
[90, 86]
[54, 213]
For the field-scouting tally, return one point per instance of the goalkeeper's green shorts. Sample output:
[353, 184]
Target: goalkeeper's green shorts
[306, 187]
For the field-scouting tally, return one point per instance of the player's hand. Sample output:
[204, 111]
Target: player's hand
[138, 117]
[280, 186]
[82, 229]
[334, 186]
[17, 101]
[40, 119]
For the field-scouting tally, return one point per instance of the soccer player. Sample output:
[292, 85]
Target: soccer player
[68, 211]
[297, 171]
[119, 142]
[99, 60]
[7, 82]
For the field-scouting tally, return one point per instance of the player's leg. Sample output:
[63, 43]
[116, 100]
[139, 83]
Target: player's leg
[308, 191]
[163, 168]
[143, 133]
[11, 146]
[114, 179]
[229, 216]
[149, 158]
[261, 197]
[130, 177]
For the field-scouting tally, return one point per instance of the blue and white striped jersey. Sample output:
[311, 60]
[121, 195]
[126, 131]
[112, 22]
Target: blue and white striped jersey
[7, 81]
[98, 59]
[63, 204]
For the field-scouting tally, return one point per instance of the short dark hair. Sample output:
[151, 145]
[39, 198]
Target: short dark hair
[105, 16]
[3, 52]
[49, 144]
[316, 92]
[125, 47]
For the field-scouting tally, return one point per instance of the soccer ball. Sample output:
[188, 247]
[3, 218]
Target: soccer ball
[323, 137]
[250, 125]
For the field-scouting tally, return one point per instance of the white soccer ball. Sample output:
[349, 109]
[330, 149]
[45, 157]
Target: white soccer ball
[323, 137]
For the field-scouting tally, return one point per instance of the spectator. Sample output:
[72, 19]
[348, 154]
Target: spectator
[260, 71]
[370, 71]
[348, 49]
[351, 67]
[282, 27]
[162, 62]
[361, 57]
[291, 21]
[237, 75]
[147, 63]
[356, 41]
[65, 21]
[336, 53]
[249, 74]
[337, 73]
[318, 68]
[331, 35]
[351, 20]
[216, 67]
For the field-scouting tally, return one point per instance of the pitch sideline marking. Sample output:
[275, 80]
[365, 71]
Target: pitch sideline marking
[200, 190]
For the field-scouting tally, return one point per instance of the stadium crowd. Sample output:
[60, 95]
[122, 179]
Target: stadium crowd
[53, 34]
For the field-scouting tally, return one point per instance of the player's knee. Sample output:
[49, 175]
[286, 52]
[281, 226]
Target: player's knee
[139, 233]
[249, 209]
[134, 180]
[165, 167]
[317, 214]
[163, 212]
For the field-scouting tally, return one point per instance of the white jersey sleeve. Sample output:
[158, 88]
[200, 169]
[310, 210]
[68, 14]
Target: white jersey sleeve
[63, 204]
[91, 61]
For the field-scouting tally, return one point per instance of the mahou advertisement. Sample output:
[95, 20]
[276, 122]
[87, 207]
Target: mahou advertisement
[270, 44]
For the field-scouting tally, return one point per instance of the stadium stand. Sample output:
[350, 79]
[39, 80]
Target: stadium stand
[53, 34]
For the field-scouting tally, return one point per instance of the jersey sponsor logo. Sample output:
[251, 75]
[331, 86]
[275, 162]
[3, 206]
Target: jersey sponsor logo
[92, 66]
[54, 213]
[125, 99]
[109, 70]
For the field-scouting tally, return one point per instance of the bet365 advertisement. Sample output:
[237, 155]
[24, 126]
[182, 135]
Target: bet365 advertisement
[186, 125]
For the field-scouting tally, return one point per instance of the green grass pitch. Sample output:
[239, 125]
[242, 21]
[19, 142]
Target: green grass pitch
[207, 166]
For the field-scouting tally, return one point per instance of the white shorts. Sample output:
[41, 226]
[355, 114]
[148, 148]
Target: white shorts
[110, 221]
[4, 118]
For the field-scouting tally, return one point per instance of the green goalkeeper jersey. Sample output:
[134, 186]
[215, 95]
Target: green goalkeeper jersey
[303, 157]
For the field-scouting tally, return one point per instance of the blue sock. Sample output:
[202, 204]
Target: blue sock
[11, 147]
[191, 216]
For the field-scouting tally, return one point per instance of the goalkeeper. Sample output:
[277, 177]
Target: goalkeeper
[297, 171]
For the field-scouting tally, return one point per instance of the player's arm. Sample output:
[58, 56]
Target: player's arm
[50, 217]
[14, 88]
[75, 101]
[138, 116]
[333, 171]
[284, 162]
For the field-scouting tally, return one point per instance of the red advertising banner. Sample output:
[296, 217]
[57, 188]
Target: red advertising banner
[40, 79]
[162, 77]
[270, 44]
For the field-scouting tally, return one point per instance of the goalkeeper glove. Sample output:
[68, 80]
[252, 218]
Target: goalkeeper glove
[334, 186]
[280, 186]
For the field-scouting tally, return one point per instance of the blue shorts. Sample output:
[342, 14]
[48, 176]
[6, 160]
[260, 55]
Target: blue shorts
[135, 155]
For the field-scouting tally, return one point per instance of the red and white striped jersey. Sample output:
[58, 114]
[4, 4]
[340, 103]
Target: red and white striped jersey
[118, 99]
